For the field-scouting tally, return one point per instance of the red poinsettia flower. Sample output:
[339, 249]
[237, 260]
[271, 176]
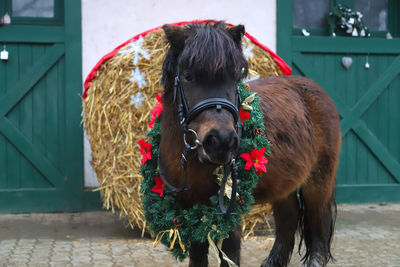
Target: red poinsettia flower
[156, 112]
[145, 150]
[159, 187]
[255, 158]
[244, 116]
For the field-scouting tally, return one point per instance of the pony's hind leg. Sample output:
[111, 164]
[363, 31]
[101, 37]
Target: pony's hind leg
[318, 214]
[317, 232]
[198, 254]
[286, 215]
[231, 247]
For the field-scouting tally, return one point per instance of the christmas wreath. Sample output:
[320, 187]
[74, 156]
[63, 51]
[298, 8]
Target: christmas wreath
[177, 227]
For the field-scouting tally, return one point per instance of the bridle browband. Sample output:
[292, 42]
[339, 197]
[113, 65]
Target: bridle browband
[186, 115]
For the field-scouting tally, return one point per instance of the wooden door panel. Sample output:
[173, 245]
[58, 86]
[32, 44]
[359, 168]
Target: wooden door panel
[378, 85]
[25, 60]
[38, 119]
[41, 164]
[17, 88]
[17, 172]
[383, 117]
[366, 99]
[32, 118]
[55, 115]
[24, 146]
[359, 165]
[350, 85]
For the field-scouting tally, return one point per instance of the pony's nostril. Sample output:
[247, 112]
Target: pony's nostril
[219, 146]
[221, 141]
[211, 142]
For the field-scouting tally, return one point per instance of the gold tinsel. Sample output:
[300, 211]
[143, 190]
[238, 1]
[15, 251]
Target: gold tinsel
[114, 125]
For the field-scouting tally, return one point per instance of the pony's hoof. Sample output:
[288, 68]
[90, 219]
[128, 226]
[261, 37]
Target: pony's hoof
[316, 260]
[265, 264]
[269, 262]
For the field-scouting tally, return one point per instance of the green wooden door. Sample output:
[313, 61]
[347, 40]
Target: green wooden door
[367, 98]
[40, 133]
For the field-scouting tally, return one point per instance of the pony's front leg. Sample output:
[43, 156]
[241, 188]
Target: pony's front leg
[198, 253]
[231, 247]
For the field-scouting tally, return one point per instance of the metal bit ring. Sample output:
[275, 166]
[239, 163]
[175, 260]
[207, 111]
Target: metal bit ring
[197, 142]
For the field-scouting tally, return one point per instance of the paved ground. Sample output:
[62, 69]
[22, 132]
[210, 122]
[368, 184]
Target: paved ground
[366, 235]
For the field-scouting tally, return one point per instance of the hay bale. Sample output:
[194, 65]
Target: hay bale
[117, 112]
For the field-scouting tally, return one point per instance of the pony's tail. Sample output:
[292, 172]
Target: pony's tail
[304, 230]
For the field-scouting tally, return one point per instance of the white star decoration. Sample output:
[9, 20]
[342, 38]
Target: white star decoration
[138, 77]
[247, 51]
[138, 51]
[137, 100]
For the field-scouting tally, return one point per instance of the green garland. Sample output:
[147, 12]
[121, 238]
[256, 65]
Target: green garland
[197, 224]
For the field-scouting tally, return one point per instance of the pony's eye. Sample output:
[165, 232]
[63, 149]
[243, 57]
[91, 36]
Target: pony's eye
[187, 77]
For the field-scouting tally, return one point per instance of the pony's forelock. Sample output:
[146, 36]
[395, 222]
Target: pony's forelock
[210, 52]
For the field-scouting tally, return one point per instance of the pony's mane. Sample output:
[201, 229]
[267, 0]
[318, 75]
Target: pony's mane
[210, 52]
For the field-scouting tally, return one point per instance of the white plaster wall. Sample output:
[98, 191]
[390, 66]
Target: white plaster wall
[106, 24]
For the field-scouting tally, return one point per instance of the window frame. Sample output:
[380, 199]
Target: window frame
[58, 18]
[392, 14]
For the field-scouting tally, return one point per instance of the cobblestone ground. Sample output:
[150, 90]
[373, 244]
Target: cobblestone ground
[366, 235]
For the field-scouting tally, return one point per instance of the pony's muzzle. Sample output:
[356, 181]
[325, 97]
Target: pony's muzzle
[220, 145]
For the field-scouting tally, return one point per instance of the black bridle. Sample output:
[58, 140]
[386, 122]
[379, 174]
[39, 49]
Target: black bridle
[186, 115]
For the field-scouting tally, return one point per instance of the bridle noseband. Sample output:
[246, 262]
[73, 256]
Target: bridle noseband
[186, 115]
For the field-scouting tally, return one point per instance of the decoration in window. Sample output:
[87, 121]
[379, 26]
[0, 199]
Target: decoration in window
[6, 20]
[346, 20]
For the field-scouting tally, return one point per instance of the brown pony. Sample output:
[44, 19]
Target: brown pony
[302, 124]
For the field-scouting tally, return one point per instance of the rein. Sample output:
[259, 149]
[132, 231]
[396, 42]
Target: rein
[185, 116]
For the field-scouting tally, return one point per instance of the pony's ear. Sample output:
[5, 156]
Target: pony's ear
[175, 37]
[237, 34]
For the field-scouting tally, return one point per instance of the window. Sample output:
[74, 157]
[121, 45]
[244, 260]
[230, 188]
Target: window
[375, 13]
[310, 14]
[379, 16]
[33, 8]
[34, 12]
